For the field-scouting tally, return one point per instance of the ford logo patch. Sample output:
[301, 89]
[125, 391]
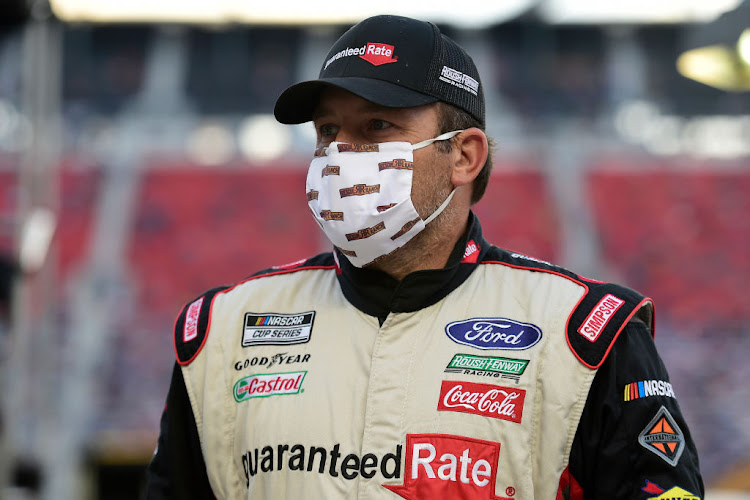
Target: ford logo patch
[494, 333]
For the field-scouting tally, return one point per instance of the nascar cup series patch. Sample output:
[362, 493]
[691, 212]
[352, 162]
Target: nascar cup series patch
[663, 437]
[277, 329]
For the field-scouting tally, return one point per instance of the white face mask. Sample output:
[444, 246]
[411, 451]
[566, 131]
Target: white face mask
[360, 195]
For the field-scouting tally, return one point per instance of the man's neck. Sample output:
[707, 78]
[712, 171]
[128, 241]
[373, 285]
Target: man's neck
[430, 249]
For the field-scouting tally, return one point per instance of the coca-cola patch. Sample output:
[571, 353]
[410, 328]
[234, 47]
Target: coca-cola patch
[505, 403]
[447, 466]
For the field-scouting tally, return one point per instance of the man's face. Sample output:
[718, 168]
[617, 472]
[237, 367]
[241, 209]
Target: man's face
[344, 117]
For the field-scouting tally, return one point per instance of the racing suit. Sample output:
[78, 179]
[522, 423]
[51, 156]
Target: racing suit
[498, 376]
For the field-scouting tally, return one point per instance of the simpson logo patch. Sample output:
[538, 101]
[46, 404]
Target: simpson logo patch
[494, 333]
[646, 388]
[190, 331]
[487, 366]
[594, 324]
[504, 403]
[446, 466]
[260, 386]
[675, 493]
[277, 329]
[663, 437]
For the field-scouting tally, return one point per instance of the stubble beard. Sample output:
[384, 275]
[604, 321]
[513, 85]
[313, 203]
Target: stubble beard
[411, 256]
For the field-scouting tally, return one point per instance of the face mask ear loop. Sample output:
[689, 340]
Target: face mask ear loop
[442, 137]
[440, 208]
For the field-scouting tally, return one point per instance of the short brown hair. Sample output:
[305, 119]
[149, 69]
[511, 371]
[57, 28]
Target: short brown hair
[451, 118]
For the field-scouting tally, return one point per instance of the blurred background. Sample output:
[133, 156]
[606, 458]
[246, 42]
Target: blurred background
[140, 165]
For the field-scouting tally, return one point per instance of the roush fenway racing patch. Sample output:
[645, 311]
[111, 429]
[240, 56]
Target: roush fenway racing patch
[505, 403]
[450, 467]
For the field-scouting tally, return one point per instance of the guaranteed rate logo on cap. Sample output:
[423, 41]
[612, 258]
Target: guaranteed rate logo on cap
[376, 54]
[430, 67]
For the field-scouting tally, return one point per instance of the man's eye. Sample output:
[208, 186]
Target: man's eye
[326, 130]
[380, 125]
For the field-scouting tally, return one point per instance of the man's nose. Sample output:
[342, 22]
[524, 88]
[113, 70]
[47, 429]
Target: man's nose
[350, 136]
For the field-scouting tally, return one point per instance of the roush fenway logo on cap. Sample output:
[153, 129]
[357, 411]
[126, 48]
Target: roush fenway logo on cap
[505, 403]
[379, 53]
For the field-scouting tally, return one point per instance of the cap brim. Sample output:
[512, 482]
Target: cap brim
[297, 103]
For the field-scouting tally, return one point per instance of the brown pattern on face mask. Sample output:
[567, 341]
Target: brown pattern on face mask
[359, 190]
[406, 227]
[397, 164]
[328, 215]
[383, 208]
[358, 148]
[330, 170]
[312, 195]
[348, 253]
[366, 232]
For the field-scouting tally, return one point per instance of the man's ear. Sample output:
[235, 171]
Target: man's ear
[471, 150]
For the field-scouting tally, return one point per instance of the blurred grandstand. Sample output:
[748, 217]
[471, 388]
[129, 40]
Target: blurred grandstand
[153, 146]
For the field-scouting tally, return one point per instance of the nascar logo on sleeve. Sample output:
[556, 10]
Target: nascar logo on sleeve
[646, 388]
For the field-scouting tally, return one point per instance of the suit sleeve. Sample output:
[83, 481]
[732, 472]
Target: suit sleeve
[177, 470]
[632, 441]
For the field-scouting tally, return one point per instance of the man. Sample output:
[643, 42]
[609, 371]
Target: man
[416, 360]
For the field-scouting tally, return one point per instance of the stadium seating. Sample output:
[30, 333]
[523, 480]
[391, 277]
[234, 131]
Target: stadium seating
[680, 235]
[517, 212]
[198, 228]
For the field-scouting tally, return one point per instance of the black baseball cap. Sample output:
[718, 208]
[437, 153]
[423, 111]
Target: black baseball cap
[393, 61]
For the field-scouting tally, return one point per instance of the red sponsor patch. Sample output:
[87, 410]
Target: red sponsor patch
[471, 254]
[446, 466]
[379, 53]
[190, 331]
[653, 488]
[600, 316]
[505, 403]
